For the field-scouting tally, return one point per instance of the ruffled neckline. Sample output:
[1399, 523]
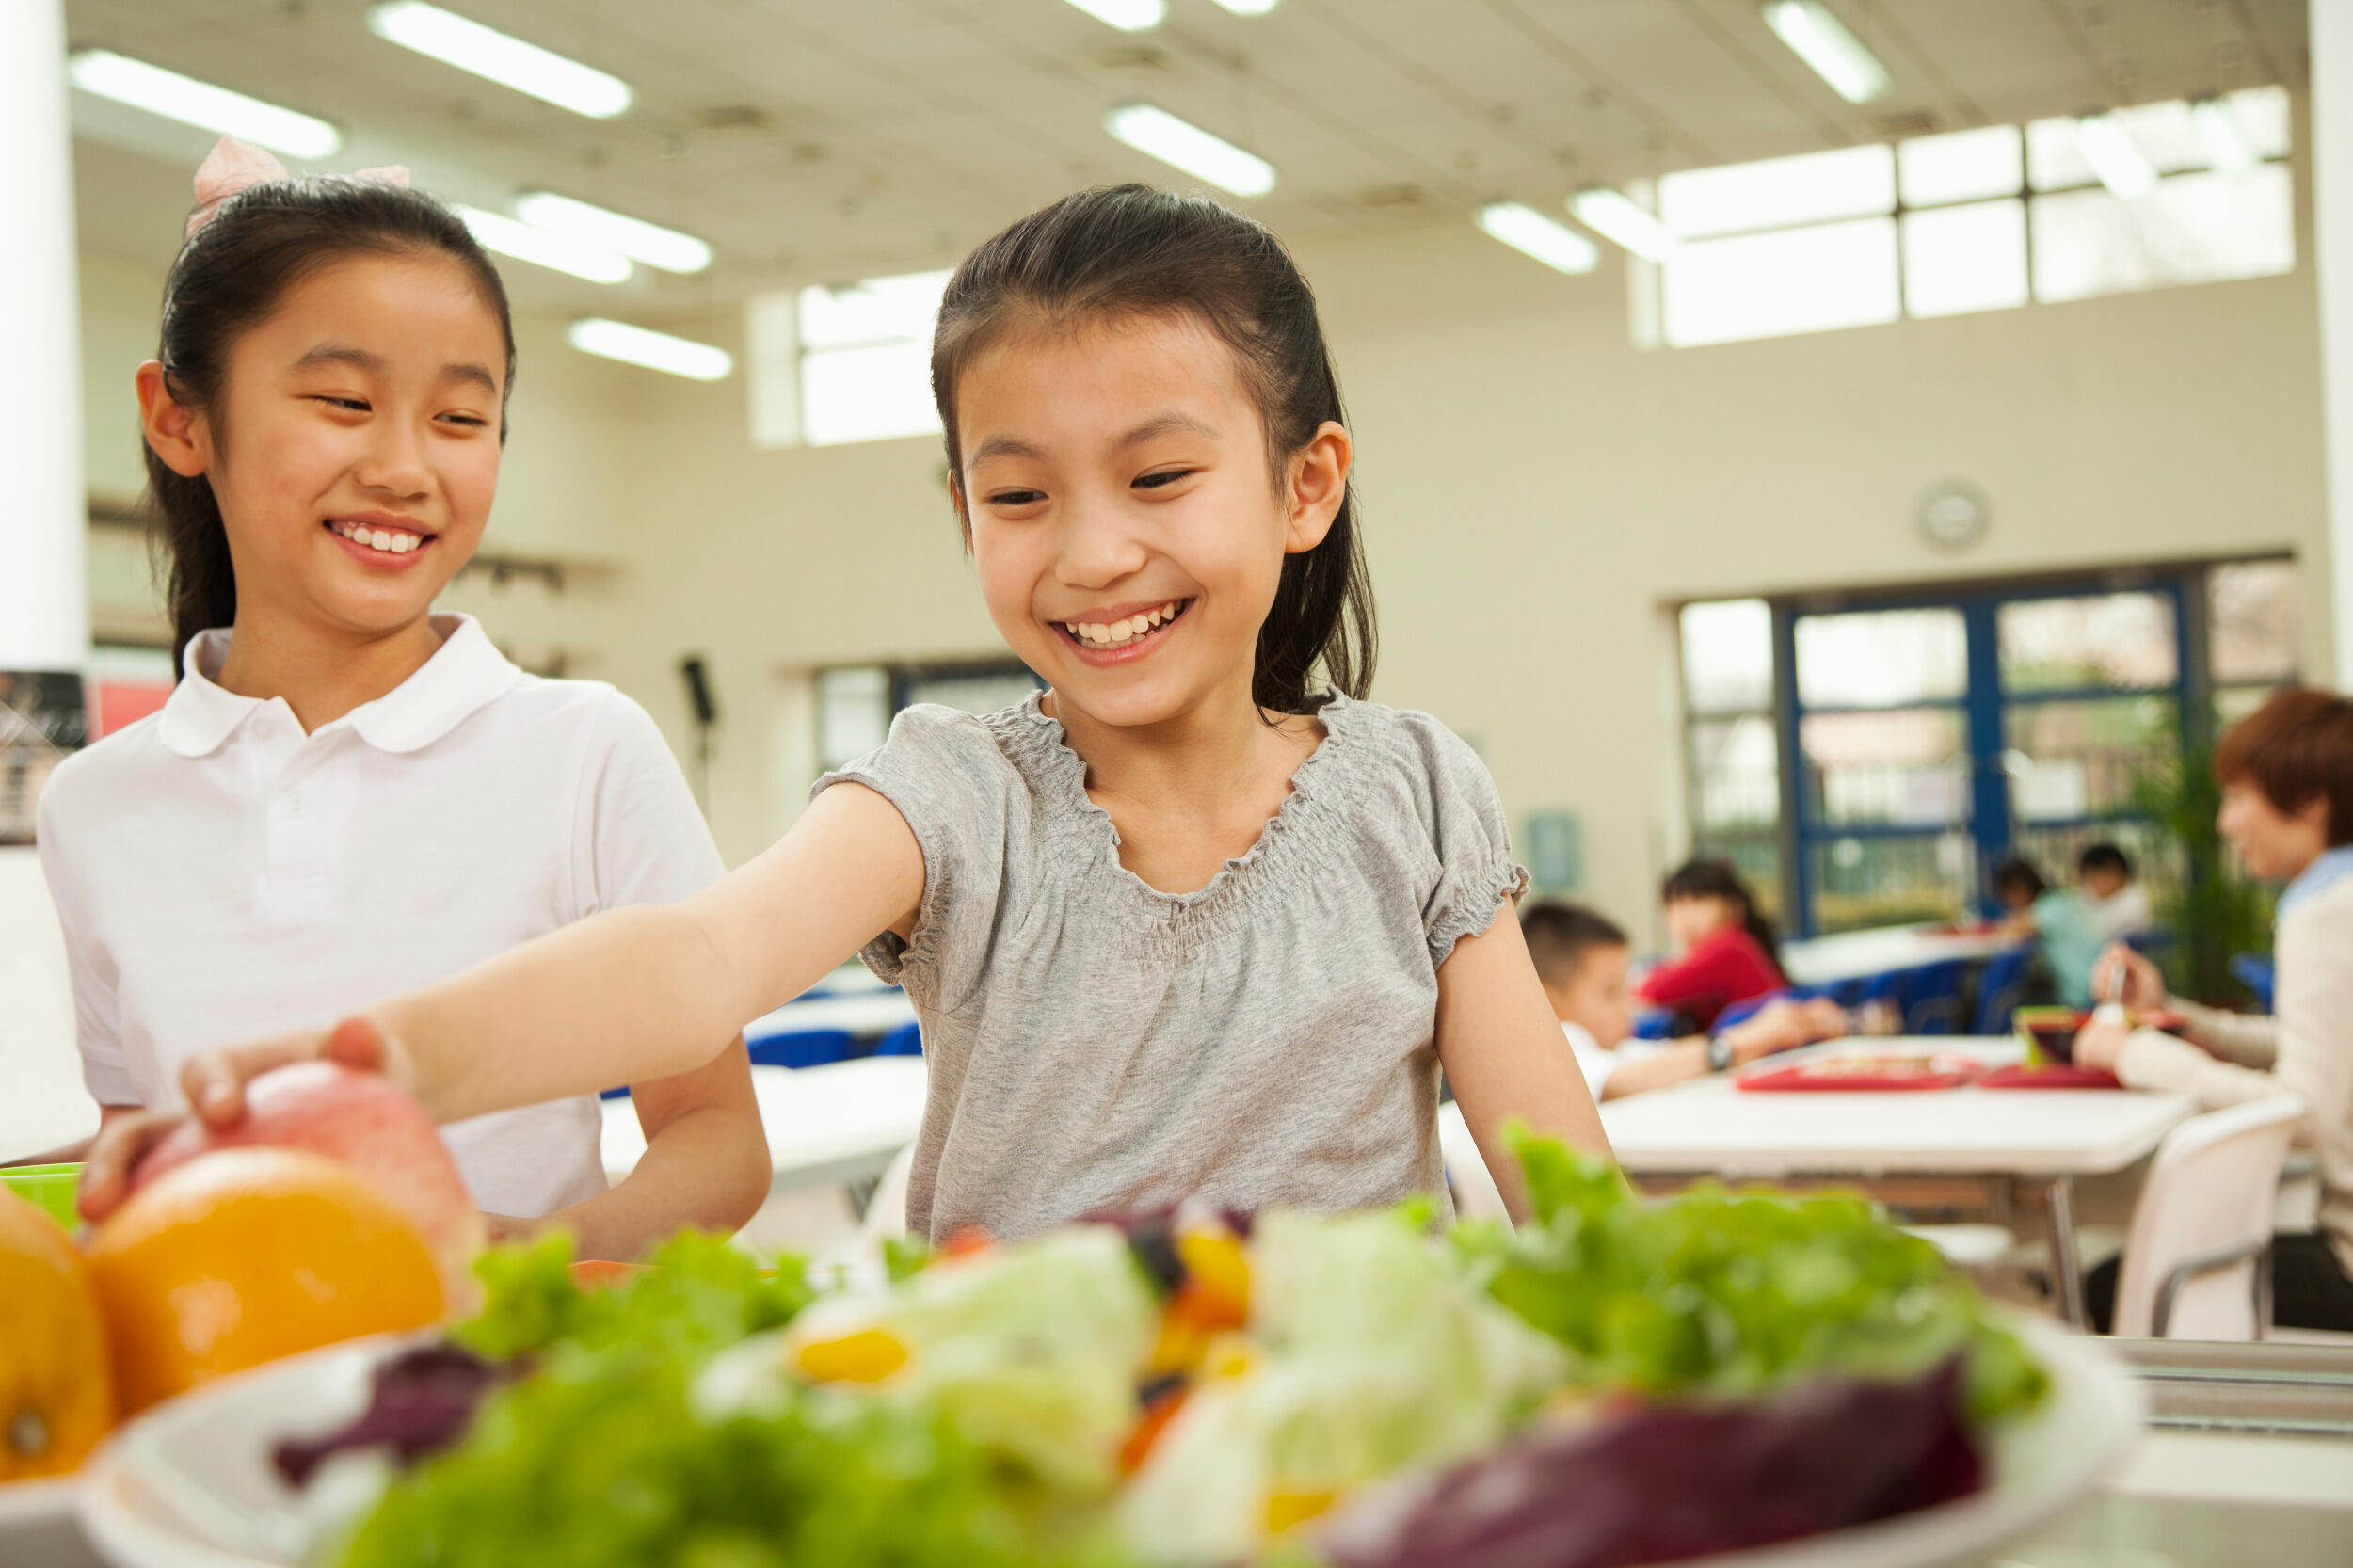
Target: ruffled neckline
[1046, 744]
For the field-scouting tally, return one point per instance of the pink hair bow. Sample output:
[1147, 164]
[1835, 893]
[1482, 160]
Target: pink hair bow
[233, 165]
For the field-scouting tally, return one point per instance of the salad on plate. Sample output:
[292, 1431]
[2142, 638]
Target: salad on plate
[1616, 1383]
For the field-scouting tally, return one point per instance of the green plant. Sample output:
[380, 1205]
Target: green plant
[2215, 912]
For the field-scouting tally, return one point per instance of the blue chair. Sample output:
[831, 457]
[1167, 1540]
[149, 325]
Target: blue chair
[1934, 1005]
[1654, 1023]
[906, 1040]
[2000, 983]
[2255, 973]
[1741, 1012]
[802, 1047]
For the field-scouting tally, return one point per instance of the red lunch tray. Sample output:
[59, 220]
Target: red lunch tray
[2052, 1075]
[1823, 1077]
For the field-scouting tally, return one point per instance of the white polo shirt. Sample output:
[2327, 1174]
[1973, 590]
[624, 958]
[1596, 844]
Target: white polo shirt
[223, 877]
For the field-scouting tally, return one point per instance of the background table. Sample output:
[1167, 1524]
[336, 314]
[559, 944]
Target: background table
[1821, 960]
[839, 1122]
[2041, 1139]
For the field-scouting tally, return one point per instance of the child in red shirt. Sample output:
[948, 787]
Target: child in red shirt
[1726, 946]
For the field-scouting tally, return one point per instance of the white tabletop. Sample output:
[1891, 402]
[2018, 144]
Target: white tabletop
[1709, 1126]
[839, 1122]
[1852, 955]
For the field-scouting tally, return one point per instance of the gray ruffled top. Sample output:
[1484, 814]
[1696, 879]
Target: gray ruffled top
[1268, 1040]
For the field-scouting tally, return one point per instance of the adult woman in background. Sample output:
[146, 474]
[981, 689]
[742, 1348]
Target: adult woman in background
[2286, 773]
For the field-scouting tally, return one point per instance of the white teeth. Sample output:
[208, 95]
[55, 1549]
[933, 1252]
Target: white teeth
[378, 539]
[1118, 632]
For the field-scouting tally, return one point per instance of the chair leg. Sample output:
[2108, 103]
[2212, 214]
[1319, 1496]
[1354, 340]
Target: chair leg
[2067, 1282]
[2263, 1293]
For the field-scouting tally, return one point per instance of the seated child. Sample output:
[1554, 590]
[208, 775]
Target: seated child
[1724, 946]
[1582, 958]
[2118, 902]
[2062, 926]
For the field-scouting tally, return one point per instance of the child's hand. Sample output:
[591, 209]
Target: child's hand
[107, 1168]
[215, 1082]
[2128, 977]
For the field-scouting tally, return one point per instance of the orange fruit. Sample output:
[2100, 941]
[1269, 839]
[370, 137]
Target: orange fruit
[56, 1387]
[244, 1255]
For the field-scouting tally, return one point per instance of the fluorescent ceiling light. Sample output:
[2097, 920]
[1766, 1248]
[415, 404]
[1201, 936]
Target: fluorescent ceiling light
[508, 61]
[1191, 148]
[1248, 8]
[1529, 232]
[632, 237]
[2112, 153]
[1129, 16]
[2217, 131]
[201, 103]
[545, 248]
[1815, 36]
[619, 340]
[1614, 215]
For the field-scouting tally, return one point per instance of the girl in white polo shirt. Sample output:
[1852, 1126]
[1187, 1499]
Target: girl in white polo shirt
[347, 796]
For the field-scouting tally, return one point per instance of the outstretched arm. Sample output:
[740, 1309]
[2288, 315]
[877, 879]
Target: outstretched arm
[623, 997]
[1504, 1055]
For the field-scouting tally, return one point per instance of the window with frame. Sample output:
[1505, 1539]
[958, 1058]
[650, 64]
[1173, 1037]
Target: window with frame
[834, 364]
[1919, 736]
[1982, 220]
[1732, 748]
[856, 703]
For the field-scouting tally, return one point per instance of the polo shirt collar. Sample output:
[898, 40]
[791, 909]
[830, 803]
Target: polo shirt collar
[466, 674]
[2332, 867]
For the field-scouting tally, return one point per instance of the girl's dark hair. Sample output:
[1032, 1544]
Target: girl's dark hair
[229, 278]
[2020, 876]
[1717, 879]
[1128, 250]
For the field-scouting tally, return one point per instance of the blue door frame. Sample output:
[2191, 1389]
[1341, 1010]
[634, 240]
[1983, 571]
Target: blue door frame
[1991, 823]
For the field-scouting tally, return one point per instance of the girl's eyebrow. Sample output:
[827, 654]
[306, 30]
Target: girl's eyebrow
[359, 358]
[1170, 423]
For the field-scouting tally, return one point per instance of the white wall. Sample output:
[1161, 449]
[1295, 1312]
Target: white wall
[1536, 490]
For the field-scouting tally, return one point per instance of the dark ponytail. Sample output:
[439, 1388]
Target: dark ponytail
[1717, 879]
[1132, 251]
[231, 275]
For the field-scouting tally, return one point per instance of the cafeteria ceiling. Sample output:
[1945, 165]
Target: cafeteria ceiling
[826, 140]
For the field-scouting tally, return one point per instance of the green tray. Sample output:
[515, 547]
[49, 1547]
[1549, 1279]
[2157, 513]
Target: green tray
[49, 1188]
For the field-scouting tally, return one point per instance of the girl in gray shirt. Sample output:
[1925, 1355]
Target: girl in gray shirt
[1198, 920]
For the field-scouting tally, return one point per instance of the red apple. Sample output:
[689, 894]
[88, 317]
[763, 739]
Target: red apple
[369, 1123]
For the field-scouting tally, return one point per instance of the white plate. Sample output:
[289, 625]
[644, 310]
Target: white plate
[189, 1484]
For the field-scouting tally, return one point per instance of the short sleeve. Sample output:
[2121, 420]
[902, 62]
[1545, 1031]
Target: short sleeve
[1476, 875]
[105, 1069]
[641, 838]
[946, 775]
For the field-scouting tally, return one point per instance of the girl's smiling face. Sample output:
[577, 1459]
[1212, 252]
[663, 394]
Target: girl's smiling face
[1128, 534]
[354, 451]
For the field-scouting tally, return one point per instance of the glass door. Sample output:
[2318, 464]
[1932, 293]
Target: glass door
[1925, 741]
[1879, 773]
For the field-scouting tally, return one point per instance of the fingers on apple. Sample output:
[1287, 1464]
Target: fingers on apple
[357, 1042]
[214, 1081]
[106, 1172]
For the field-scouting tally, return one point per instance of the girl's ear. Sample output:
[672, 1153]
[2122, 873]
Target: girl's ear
[1318, 483]
[173, 432]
